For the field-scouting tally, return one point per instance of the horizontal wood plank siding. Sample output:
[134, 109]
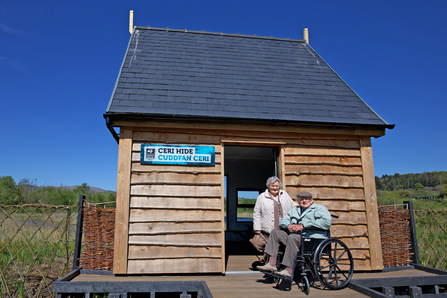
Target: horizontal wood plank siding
[163, 228]
[344, 205]
[175, 220]
[145, 252]
[339, 231]
[328, 193]
[164, 178]
[324, 160]
[137, 167]
[175, 203]
[349, 218]
[309, 180]
[175, 190]
[323, 169]
[202, 239]
[187, 137]
[151, 215]
[332, 172]
[175, 210]
[313, 151]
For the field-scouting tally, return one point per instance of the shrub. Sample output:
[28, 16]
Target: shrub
[418, 186]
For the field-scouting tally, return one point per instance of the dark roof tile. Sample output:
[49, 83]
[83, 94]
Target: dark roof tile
[172, 72]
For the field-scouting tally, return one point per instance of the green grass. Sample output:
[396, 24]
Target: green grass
[33, 245]
[431, 228]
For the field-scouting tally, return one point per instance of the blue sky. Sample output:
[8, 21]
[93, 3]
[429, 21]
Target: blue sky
[59, 61]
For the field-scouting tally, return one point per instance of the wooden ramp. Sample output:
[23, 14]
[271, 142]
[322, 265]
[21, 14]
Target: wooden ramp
[241, 280]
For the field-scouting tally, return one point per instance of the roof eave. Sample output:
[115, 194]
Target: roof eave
[113, 118]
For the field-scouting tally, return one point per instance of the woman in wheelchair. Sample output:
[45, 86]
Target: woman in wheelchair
[310, 218]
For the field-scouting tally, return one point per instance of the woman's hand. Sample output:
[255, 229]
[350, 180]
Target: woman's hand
[257, 232]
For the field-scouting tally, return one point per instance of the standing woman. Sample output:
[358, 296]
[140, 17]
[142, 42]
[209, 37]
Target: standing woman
[271, 206]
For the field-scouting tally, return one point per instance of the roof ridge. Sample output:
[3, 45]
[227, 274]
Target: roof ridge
[220, 34]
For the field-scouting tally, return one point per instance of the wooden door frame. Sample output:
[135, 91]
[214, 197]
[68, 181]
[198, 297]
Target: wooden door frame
[249, 143]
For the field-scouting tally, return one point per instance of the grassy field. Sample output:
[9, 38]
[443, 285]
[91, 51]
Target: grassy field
[36, 246]
[245, 212]
[431, 230]
[35, 249]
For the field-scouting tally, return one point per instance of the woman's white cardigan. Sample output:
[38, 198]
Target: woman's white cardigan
[263, 217]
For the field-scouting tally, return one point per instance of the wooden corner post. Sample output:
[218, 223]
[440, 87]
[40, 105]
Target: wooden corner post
[372, 212]
[222, 205]
[122, 202]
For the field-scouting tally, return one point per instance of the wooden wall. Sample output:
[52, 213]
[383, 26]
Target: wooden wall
[175, 218]
[170, 218]
[337, 173]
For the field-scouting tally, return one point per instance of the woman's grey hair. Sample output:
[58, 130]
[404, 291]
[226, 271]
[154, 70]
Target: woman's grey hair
[273, 179]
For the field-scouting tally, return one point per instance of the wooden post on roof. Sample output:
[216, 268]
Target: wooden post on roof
[122, 202]
[372, 212]
[131, 22]
[306, 35]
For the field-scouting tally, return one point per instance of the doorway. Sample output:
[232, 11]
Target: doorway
[246, 171]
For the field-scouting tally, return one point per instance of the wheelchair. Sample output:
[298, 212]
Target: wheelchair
[327, 260]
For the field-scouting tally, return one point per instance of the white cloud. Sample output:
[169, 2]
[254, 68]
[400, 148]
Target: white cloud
[14, 64]
[11, 31]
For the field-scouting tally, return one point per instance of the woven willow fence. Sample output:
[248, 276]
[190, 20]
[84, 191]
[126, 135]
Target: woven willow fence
[431, 230]
[36, 245]
[395, 235]
[98, 235]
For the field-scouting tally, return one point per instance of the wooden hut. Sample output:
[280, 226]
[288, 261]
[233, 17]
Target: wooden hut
[203, 118]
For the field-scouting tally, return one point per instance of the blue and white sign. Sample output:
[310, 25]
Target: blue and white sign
[177, 155]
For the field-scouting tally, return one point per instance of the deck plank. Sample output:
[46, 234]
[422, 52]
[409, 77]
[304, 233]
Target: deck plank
[232, 285]
[242, 281]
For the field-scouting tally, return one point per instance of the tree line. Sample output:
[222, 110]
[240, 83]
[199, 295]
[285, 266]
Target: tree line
[410, 181]
[28, 192]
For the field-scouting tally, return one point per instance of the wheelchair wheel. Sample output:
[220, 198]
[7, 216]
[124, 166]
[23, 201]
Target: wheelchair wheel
[333, 264]
[305, 284]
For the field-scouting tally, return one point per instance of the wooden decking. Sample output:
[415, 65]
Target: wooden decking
[242, 281]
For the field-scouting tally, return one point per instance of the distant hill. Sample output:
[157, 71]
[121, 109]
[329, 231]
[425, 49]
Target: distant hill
[92, 189]
[411, 181]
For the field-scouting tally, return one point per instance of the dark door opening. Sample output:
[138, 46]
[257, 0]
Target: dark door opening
[246, 171]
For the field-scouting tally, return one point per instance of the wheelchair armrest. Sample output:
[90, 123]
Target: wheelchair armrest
[315, 230]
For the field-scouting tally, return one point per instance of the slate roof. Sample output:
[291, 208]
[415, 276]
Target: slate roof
[203, 75]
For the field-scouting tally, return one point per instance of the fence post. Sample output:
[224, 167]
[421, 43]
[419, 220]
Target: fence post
[413, 237]
[77, 251]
